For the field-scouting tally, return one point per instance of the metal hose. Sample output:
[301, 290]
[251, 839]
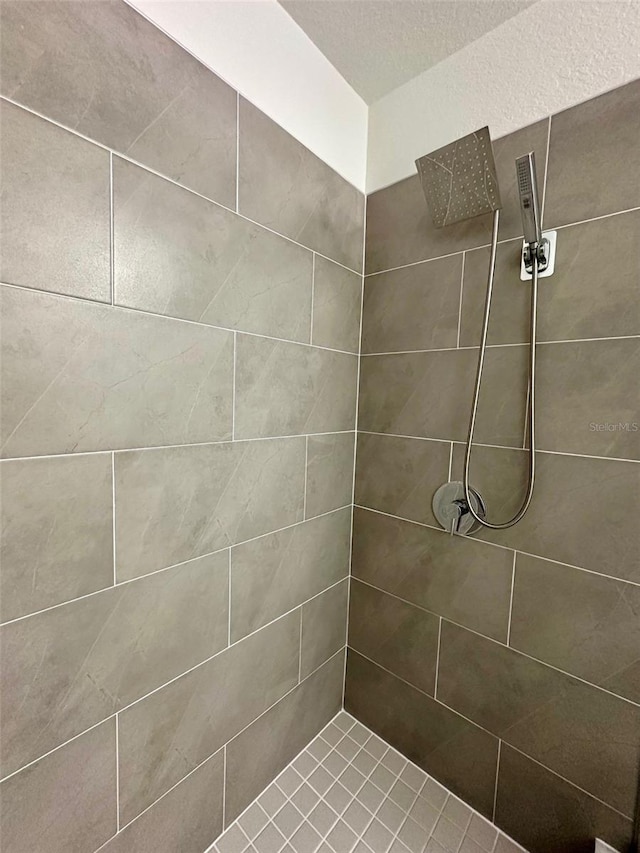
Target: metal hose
[531, 421]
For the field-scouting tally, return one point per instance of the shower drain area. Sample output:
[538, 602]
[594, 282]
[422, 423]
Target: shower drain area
[350, 792]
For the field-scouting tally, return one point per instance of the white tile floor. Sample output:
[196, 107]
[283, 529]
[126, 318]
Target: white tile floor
[350, 791]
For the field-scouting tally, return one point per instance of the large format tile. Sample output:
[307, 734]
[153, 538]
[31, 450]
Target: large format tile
[289, 389]
[66, 801]
[324, 627]
[549, 815]
[56, 531]
[413, 308]
[54, 208]
[284, 186]
[178, 254]
[80, 376]
[337, 301]
[578, 621]
[177, 503]
[575, 514]
[258, 754]
[594, 160]
[105, 71]
[330, 461]
[586, 735]
[186, 820]
[593, 292]
[429, 394]
[463, 580]
[277, 572]
[68, 668]
[457, 753]
[396, 635]
[399, 226]
[170, 732]
[587, 398]
[400, 475]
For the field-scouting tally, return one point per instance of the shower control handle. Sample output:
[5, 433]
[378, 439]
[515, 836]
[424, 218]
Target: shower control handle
[452, 510]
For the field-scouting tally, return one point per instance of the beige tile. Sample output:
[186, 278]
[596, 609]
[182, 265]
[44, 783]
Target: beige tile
[457, 577]
[54, 203]
[222, 494]
[396, 635]
[121, 379]
[413, 308]
[337, 301]
[113, 76]
[330, 469]
[178, 254]
[594, 160]
[67, 800]
[586, 735]
[545, 813]
[56, 531]
[448, 747]
[167, 734]
[289, 389]
[274, 574]
[68, 668]
[186, 820]
[286, 187]
[324, 627]
[400, 475]
[258, 754]
[580, 622]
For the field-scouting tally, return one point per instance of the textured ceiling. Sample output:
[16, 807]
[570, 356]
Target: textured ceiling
[377, 45]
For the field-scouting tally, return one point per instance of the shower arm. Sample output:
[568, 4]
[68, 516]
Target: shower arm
[531, 422]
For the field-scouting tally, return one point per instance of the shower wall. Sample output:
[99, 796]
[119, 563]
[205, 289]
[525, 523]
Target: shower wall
[180, 324]
[507, 665]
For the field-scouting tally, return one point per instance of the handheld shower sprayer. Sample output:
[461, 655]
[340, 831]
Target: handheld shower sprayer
[528, 192]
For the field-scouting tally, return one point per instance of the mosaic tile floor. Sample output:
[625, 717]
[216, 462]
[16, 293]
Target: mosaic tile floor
[350, 791]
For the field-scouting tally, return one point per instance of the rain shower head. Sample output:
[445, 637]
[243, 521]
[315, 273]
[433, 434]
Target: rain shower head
[459, 181]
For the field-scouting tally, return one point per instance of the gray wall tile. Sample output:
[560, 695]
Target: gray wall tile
[258, 754]
[594, 161]
[85, 377]
[276, 573]
[578, 621]
[574, 516]
[457, 753]
[286, 187]
[56, 531]
[330, 461]
[413, 308]
[586, 735]
[547, 814]
[288, 389]
[324, 627]
[67, 800]
[178, 254]
[396, 635]
[400, 475]
[337, 301]
[108, 73]
[170, 732]
[54, 208]
[222, 494]
[459, 578]
[68, 668]
[186, 820]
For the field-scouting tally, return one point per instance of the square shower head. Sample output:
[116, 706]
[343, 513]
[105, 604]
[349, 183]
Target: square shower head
[459, 181]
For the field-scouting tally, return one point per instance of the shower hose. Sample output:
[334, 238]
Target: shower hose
[531, 418]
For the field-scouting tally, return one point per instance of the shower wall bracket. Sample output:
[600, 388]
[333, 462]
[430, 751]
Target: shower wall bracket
[546, 257]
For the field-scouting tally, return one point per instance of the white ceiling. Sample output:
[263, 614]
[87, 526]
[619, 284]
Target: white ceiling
[377, 45]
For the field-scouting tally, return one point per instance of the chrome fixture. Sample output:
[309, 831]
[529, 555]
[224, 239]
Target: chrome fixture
[451, 508]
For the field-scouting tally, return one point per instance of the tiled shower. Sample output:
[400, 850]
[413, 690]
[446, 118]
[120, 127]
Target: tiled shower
[197, 315]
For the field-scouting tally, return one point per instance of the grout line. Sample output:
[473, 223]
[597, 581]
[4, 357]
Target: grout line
[117, 775]
[513, 584]
[233, 387]
[501, 346]
[306, 468]
[464, 255]
[495, 790]
[113, 522]
[300, 649]
[450, 462]
[546, 171]
[435, 684]
[237, 152]
[229, 602]
[313, 294]
[224, 788]
[112, 274]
